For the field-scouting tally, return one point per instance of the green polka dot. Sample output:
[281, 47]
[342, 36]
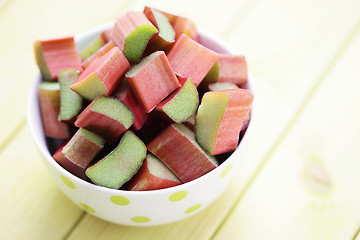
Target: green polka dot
[226, 170]
[140, 219]
[120, 200]
[67, 182]
[175, 197]
[87, 207]
[193, 208]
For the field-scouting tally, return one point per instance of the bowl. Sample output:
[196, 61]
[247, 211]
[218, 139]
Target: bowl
[138, 208]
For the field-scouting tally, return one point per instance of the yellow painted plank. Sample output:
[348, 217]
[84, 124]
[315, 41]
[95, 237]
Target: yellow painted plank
[310, 187]
[277, 102]
[32, 207]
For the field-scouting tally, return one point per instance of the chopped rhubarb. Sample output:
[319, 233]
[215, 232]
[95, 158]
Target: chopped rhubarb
[153, 175]
[79, 151]
[99, 53]
[92, 48]
[228, 68]
[124, 93]
[55, 55]
[185, 26]
[181, 104]
[132, 32]
[190, 59]
[219, 86]
[152, 80]
[166, 34]
[49, 100]
[121, 164]
[107, 117]
[177, 148]
[219, 119]
[106, 35]
[102, 76]
[70, 102]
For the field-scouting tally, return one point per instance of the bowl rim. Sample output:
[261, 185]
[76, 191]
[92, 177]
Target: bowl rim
[32, 103]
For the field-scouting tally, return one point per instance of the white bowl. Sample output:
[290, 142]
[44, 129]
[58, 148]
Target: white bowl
[138, 208]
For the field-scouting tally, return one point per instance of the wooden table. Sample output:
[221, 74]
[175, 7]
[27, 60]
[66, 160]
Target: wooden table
[301, 179]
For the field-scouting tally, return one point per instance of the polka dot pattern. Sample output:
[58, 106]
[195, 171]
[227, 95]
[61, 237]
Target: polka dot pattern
[67, 182]
[140, 219]
[178, 196]
[226, 170]
[87, 208]
[120, 200]
[193, 208]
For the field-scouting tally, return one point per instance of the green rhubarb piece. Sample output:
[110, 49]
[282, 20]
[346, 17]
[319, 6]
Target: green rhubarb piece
[41, 62]
[70, 102]
[220, 86]
[208, 119]
[184, 104]
[119, 165]
[136, 42]
[143, 62]
[213, 75]
[190, 135]
[159, 169]
[50, 85]
[92, 48]
[166, 31]
[115, 109]
[93, 137]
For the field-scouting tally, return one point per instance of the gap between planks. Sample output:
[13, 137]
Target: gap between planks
[12, 135]
[349, 39]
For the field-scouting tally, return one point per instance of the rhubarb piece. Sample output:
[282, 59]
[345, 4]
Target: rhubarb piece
[102, 76]
[219, 86]
[177, 148]
[228, 68]
[106, 35]
[166, 34]
[182, 103]
[55, 55]
[189, 59]
[153, 175]
[49, 100]
[246, 121]
[180, 24]
[101, 52]
[92, 48]
[70, 102]
[79, 151]
[185, 26]
[124, 93]
[219, 119]
[151, 128]
[152, 80]
[107, 117]
[190, 123]
[121, 164]
[131, 33]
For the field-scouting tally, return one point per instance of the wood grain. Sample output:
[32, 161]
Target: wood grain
[310, 185]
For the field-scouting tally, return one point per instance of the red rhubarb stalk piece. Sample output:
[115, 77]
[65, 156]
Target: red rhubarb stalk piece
[177, 148]
[131, 34]
[49, 100]
[108, 117]
[180, 105]
[228, 68]
[152, 80]
[76, 154]
[106, 35]
[101, 52]
[190, 59]
[219, 119]
[153, 175]
[56, 54]
[166, 34]
[102, 76]
[124, 93]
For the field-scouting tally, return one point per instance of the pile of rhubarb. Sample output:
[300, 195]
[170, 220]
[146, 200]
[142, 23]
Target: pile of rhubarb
[127, 108]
